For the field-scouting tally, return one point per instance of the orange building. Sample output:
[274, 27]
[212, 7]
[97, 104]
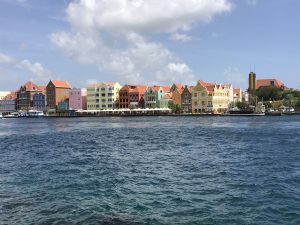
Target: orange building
[132, 96]
[57, 92]
[269, 82]
[176, 91]
[24, 100]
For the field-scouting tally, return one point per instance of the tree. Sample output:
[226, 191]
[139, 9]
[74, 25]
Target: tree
[175, 107]
[242, 105]
[269, 93]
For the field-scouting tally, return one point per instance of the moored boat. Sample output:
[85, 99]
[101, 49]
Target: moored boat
[12, 115]
[32, 114]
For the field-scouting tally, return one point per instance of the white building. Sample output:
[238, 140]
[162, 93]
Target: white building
[103, 95]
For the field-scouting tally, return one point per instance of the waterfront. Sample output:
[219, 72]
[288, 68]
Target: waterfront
[150, 170]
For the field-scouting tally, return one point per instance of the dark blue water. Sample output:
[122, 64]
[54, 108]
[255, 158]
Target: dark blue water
[150, 170]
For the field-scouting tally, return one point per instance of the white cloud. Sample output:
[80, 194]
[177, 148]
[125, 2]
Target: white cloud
[181, 37]
[36, 69]
[176, 73]
[110, 35]
[6, 59]
[143, 15]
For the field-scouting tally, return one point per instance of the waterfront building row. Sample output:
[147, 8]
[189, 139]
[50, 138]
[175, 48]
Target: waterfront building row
[58, 95]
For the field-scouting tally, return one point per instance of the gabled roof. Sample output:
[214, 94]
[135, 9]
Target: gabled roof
[61, 83]
[42, 88]
[11, 96]
[158, 88]
[168, 96]
[30, 86]
[211, 86]
[237, 91]
[140, 89]
[134, 88]
[267, 82]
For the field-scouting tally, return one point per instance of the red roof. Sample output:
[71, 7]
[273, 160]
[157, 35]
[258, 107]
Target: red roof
[30, 86]
[166, 88]
[61, 83]
[237, 91]
[11, 96]
[191, 88]
[211, 86]
[168, 96]
[134, 88]
[267, 82]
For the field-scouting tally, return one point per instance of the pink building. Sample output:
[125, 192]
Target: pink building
[77, 99]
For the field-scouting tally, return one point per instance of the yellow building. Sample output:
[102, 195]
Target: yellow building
[103, 95]
[211, 97]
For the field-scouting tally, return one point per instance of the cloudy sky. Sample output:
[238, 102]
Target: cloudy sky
[148, 41]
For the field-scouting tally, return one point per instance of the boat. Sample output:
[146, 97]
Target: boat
[11, 116]
[32, 114]
[243, 112]
[237, 111]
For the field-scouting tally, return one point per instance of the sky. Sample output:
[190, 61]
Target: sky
[148, 41]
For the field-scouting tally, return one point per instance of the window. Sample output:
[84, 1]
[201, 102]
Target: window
[103, 95]
[195, 95]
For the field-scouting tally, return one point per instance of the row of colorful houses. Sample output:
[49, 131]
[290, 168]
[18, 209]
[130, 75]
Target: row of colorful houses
[59, 96]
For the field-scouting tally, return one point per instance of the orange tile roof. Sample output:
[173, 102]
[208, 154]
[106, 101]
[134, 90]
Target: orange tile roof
[61, 83]
[134, 88]
[166, 88]
[191, 88]
[30, 86]
[11, 96]
[140, 89]
[168, 96]
[42, 88]
[267, 82]
[236, 91]
[179, 86]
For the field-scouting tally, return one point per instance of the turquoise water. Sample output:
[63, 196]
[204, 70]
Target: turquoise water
[150, 170]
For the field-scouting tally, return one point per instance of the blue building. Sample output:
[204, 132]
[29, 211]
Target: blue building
[39, 101]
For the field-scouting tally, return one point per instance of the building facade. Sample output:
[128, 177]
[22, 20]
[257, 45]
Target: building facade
[78, 99]
[3, 94]
[56, 91]
[165, 100]
[132, 96]
[39, 101]
[8, 103]
[154, 94]
[255, 84]
[186, 99]
[103, 96]
[237, 95]
[211, 97]
[24, 100]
